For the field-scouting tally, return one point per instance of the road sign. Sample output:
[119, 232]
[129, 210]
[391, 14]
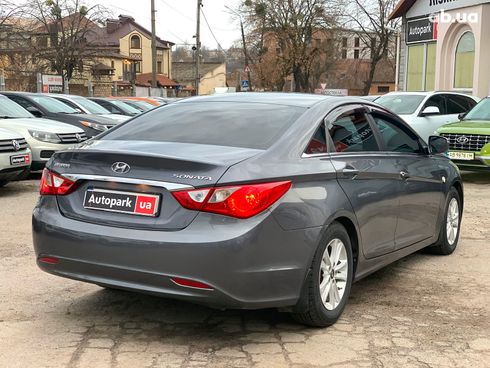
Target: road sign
[247, 69]
[245, 85]
[324, 85]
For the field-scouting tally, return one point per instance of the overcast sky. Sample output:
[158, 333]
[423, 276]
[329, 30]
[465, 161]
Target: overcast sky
[176, 19]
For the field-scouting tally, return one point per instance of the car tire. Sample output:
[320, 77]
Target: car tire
[324, 307]
[3, 183]
[450, 227]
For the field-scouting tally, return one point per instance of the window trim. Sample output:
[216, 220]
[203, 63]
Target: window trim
[134, 35]
[341, 110]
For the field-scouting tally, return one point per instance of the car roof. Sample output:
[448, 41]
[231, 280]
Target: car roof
[290, 99]
[427, 93]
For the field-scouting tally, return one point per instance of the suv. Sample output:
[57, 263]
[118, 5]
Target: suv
[427, 111]
[469, 138]
[43, 136]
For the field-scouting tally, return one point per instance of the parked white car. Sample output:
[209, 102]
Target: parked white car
[15, 156]
[43, 136]
[425, 112]
[86, 106]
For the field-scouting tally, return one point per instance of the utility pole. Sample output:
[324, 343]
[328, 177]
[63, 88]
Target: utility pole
[198, 45]
[244, 44]
[153, 47]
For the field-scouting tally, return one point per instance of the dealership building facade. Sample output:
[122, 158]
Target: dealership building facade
[444, 45]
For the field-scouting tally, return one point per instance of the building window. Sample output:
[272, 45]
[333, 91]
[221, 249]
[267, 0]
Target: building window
[356, 54]
[112, 64]
[344, 54]
[421, 67]
[383, 89]
[135, 42]
[465, 61]
[356, 42]
[344, 41]
[137, 67]
[159, 67]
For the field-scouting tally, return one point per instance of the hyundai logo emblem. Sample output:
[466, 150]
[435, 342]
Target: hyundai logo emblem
[120, 167]
[16, 145]
[462, 140]
[78, 137]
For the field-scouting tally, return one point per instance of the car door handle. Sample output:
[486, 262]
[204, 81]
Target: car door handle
[349, 172]
[404, 175]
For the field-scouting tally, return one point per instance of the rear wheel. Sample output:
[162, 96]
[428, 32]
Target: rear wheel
[329, 283]
[450, 228]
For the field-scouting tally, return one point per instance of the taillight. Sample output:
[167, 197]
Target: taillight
[54, 184]
[241, 201]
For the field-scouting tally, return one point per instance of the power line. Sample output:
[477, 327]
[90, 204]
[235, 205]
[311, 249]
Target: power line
[177, 11]
[210, 30]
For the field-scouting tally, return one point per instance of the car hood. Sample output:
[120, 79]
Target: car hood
[466, 127]
[8, 134]
[44, 125]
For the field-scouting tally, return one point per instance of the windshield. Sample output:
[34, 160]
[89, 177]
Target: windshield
[12, 110]
[247, 125]
[480, 112]
[401, 104]
[125, 107]
[90, 106]
[141, 105]
[53, 105]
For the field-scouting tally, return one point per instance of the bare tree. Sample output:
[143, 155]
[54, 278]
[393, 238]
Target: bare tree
[286, 28]
[376, 31]
[62, 32]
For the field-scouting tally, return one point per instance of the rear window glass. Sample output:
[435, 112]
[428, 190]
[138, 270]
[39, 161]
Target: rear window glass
[247, 125]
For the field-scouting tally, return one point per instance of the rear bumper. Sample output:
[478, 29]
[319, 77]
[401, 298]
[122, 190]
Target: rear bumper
[249, 263]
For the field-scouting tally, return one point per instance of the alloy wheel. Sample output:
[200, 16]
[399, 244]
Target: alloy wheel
[333, 274]
[452, 221]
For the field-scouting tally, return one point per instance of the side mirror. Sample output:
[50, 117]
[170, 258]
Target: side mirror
[438, 144]
[461, 115]
[34, 111]
[430, 110]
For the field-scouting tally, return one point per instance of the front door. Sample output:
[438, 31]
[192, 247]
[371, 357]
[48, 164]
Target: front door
[369, 181]
[421, 181]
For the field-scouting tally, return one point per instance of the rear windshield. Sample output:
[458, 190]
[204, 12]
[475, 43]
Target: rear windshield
[247, 125]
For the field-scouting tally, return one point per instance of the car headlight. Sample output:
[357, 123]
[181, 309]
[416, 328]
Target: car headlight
[99, 127]
[45, 136]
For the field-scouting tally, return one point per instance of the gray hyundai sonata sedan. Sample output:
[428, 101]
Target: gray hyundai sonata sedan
[248, 201]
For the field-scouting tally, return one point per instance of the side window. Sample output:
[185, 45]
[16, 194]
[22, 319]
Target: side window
[351, 132]
[395, 137]
[318, 143]
[69, 103]
[22, 102]
[458, 104]
[437, 101]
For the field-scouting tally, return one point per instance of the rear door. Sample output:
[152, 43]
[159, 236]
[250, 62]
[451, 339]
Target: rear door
[420, 188]
[370, 182]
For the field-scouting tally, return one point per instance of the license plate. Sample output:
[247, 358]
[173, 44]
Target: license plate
[461, 155]
[20, 160]
[122, 202]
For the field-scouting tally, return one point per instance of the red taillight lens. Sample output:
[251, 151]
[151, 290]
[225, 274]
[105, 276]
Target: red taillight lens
[54, 184]
[49, 260]
[191, 283]
[240, 201]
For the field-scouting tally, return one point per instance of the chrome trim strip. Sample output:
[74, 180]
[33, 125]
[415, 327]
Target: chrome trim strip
[154, 183]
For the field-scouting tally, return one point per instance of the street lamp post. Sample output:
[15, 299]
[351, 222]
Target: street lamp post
[397, 57]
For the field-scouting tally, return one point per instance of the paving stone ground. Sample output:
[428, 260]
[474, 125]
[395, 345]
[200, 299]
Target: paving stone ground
[423, 311]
